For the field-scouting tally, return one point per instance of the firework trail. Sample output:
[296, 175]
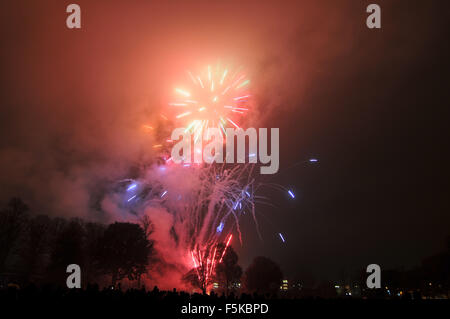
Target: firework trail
[205, 205]
[205, 201]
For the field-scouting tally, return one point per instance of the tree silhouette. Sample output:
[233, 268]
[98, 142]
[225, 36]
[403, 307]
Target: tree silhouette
[93, 234]
[192, 278]
[123, 252]
[146, 225]
[34, 246]
[263, 276]
[198, 277]
[148, 228]
[228, 272]
[201, 276]
[67, 249]
[12, 220]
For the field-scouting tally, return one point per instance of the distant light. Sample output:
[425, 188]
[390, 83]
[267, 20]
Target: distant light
[313, 160]
[220, 227]
[252, 155]
[291, 193]
[131, 198]
[282, 238]
[132, 186]
[187, 165]
[336, 286]
[163, 194]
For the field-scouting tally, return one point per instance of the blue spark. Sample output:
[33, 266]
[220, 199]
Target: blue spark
[291, 193]
[131, 198]
[247, 193]
[220, 227]
[132, 186]
[282, 238]
[313, 160]
[163, 194]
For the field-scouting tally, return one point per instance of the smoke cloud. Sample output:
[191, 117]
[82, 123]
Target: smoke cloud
[74, 101]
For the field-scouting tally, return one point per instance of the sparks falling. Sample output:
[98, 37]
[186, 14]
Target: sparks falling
[205, 261]
[205, 202]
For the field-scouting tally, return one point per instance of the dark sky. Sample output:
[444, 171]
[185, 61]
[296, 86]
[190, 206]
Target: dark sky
[372, 105]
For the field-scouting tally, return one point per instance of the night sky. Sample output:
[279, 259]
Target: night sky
[371, 105]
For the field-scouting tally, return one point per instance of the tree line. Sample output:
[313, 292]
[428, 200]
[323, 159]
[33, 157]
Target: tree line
[38, 248]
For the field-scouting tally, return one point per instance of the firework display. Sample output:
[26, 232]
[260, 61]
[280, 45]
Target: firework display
[215, 97]
[206, 202]
[202, 158]
[205, 214]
